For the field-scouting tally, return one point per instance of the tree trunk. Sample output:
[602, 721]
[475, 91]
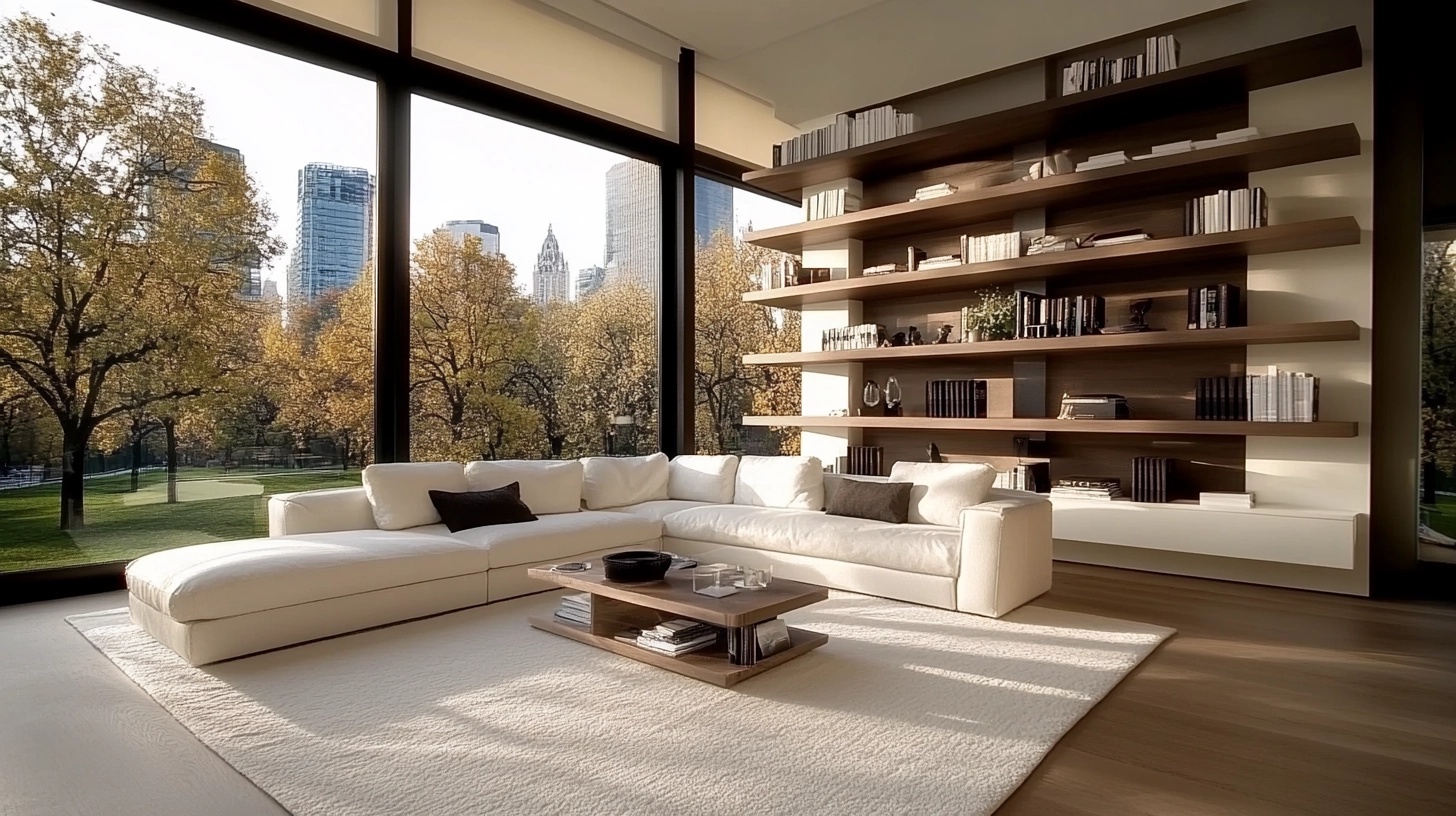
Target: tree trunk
[73, 479]
[170, 426]
[558, 444]
[1429, 474]
[136, 463]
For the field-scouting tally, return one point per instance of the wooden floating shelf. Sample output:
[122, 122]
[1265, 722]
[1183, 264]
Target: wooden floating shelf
[1136, 178]
[1301, 235]
[1175, 427]
[1325, 332]
[1198, 85]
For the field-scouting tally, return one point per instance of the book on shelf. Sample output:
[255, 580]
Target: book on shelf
[846, 132]
[884, 269]
[939, 262]
[830, 203]
[1214, 307]
[1117, 238]
[1159, 54]
[861, 460]
[1039, 316]
[957, 399]
[1227, 500]
[1091, 488]
[913, 257]
[1032, 477]
[1225, 211]
[1102, 160]
[1151, 479]
[1272, 396]
[1227, 137]
[934, 191]
[863, 336]
[997, 247]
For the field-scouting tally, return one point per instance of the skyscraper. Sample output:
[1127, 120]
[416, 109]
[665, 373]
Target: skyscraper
[589, 280]
[488, 234]
[335, 229]
[244, 259]
[552, 279]
[634, 224]
[712, 210]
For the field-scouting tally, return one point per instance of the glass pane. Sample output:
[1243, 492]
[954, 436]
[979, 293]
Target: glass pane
[1438, 398]
[728, 328]
[533, 293]
[152, 233]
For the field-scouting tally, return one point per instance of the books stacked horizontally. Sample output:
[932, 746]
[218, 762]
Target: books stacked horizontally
[829, 203]
[934, 191]
[1102, 160]
[1283, 396]
[847, 131]
[1159, 54]
[1169, 149]
[938, 262]
[884, 269]
[999, 247]
[1151, 479]
[1091, 488]
[1038, 316]
[1226, 210]
[1094, 406]
[1213, 307]
[575, 609]
[1227, 137]
[1029, 477]
[864, 336]
[1227, 501]
[960, 399]
[678, 637]
[1117, 238]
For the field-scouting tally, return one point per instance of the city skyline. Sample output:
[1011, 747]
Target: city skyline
[335, 238]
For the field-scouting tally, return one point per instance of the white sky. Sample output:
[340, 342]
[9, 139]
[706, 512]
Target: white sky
[282, 114]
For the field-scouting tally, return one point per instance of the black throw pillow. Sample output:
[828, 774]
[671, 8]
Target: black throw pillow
[481, 508]
[878, 501]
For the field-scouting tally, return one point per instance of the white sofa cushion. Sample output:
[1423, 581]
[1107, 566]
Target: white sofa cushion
[702, 478]
[915, 548]
[560, 537]
[657, 510]
[943, 489]
[399, 493]
[793, 482]
[547, 485]
[228, 578]
[617, 481]
[320, 511]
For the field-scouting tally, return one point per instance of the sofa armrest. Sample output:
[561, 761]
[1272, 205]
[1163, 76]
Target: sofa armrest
[1006, 552]
[320, 511]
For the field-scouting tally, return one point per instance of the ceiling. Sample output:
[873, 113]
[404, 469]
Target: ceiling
[728, 30]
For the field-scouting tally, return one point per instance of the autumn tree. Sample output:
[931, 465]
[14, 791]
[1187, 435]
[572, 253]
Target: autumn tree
[122, 233]
[1438, 365]
[610, 345]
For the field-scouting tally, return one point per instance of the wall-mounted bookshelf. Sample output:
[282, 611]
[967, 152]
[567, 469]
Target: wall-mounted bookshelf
[1166, 427]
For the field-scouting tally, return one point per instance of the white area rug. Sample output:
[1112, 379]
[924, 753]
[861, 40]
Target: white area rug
[905, 710]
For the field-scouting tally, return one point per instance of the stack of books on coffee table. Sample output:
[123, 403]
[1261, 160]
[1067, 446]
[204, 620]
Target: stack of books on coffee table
[575, 609]
[678, 637]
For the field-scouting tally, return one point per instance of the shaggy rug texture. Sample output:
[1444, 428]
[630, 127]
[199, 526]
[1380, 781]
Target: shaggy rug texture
[906, 710]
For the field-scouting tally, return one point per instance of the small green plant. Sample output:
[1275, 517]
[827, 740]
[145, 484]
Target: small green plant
[993, 315]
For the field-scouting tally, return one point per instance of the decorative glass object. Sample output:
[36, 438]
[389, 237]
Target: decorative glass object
[893, 394]
[716, 580]
[871, 393]
[755, 578]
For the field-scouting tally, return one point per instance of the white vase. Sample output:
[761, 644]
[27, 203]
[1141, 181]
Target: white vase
[973, 336]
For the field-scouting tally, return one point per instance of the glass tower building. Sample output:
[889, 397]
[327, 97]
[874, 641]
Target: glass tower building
[713, 203]
[488, 234]
[335, 229]
[634, 220]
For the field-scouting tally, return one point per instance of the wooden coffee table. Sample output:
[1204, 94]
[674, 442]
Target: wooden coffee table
[615, 607]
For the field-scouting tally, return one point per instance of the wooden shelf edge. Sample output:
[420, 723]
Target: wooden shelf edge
[1174, 427]
[1292, 237]
[1267, 153]
[1303, 58]
[1331, 331]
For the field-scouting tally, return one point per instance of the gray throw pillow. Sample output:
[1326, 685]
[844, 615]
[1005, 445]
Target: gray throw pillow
[878, 501]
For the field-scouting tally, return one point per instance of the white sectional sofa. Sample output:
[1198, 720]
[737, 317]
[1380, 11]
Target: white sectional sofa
[342, 560]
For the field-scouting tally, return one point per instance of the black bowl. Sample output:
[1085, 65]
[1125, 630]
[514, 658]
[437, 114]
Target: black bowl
[636, 566]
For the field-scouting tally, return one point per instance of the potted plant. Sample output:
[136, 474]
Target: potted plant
[993, 317]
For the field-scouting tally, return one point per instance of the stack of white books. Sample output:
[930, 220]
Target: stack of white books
[884, 269]
[934, 191]
[1228, 137]
[829, 203]
[1168, 149]
[678, 637]
[1283, 396]
[999, 247]
[575, 609]
[939, 262]
[1102, 160]
[1227, 501]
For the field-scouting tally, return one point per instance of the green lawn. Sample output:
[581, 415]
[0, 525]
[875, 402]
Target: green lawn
[1442, 517]
[121, 525]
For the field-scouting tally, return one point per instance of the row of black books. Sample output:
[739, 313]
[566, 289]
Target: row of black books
[1073, 316]
[1222, 398]
[1093, 488]
[961, 399]
[675, 637]
[1226, 210]
[1275, 396]
[575, 609]
[1159, 54]
[1214, 307]
[863, 460]
[1152, 478]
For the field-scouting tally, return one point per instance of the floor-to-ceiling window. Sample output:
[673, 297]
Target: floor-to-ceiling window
[186, 241]
[1438, 397]
[727, 328]
[533, 292]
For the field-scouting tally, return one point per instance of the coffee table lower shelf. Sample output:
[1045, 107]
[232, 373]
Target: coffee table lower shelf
[710, 665]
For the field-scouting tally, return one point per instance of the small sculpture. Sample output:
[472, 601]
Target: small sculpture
[898, 339]
[932, 453]
[893, 397]
[942, 335]
[871, 394]
[913, 337]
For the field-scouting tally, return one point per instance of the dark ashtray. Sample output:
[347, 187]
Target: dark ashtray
[636, 566]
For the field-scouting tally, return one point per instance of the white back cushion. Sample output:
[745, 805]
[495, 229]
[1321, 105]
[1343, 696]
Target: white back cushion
[617, 481]
[794, 482]
[702, 478]
[399, 492]
[943, 489]
[547, 486]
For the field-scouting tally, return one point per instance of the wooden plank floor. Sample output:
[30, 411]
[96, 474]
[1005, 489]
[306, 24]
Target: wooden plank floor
[1268, 701]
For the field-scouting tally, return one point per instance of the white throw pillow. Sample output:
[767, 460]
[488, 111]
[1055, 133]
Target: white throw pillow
[547, 485]
[792, 482]
[702, 478]
[399, 492]
[617, 481]
[943, 489]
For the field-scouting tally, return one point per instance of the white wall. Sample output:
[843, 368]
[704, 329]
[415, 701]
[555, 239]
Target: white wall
[366, 19]
[736, 124]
